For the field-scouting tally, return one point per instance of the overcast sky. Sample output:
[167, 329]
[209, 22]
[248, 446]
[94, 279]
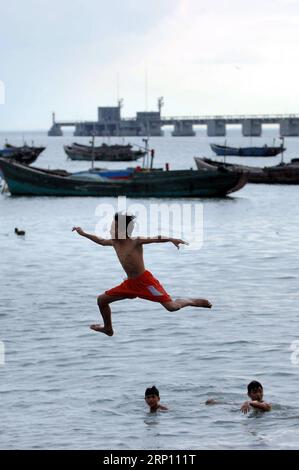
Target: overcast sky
[203, 57]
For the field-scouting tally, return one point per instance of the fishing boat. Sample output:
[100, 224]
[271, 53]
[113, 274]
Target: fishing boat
[23, 154]
[25, 180]
[264, 151]
[19, 156]
[104, 152]
[26, 148]
[284, 173]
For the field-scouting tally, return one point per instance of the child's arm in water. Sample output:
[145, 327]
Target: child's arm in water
[211, 401]
[160, 239]
[94, 238]
[260, 405]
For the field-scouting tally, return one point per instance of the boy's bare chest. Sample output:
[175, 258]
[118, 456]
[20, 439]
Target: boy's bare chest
[128, 251]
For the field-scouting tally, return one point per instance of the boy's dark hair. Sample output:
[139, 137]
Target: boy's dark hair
[152, 391]
[254, 385]
[125, 219]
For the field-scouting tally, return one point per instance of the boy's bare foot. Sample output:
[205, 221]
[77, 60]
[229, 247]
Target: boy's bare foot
[201, 303]
[102, 329]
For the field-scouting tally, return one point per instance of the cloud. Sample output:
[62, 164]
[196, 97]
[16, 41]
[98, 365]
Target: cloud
[216, 57]
[227, 57]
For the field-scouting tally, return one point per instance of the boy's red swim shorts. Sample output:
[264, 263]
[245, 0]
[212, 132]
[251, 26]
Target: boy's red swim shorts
[145, 286]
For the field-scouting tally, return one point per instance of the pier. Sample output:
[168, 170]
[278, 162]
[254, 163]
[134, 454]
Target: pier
[151, 123]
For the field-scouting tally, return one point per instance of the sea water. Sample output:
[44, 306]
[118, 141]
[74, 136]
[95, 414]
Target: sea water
[63, 386]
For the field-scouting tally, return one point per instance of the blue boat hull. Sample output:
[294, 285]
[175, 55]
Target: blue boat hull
[265, 151]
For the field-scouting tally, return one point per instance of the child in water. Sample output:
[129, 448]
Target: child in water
[255, 393]
[152, 398]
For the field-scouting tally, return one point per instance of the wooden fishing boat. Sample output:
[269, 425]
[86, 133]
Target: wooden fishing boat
[284, 173]
[26, 148]
[25, 180]
[24, 154]
[104, 152]
[264, 151]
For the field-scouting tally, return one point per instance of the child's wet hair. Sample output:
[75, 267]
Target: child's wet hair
[254, 385]
[152, 391]
[126, 219]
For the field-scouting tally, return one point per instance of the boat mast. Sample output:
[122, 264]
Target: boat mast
[146, 156]
[92, 151]
[282, 150]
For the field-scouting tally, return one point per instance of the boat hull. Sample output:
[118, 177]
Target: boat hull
[20, 155]
[23, 180]
[26, 148]
[77, 152]
[265, 151]
[279, 174]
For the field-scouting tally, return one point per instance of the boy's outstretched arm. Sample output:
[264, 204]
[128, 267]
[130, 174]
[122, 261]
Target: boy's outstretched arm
[94, 238]
[211, 401]
[255, 404]
[261, 405]
[160, 239]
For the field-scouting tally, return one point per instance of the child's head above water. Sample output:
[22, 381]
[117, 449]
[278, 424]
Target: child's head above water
[152, 397]
[255, 390]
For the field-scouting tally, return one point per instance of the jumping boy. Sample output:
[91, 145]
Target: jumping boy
[140, 283]
[152, 398]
